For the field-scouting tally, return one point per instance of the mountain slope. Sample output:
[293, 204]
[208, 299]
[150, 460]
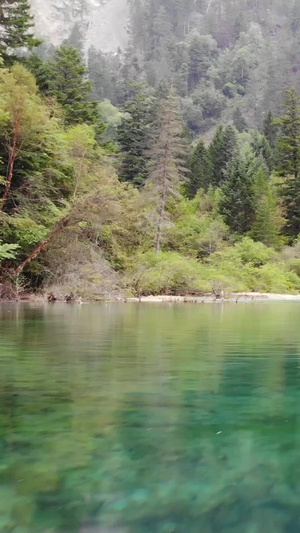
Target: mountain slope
[103, 25]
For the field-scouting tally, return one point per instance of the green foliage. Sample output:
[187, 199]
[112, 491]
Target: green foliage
[250, 266]
[197, 229]
[289, 160]
[262, 149]
[239, 121]
[265, 227]
[237, 204]
[61, 181]
[167, 163]
[8, 251]
[16, 23]
[289, 138]
[166, 273]
[30, 144]
[199, 165]
[270, 130]
[226, 60]
[71, 89]
[222, 150]
[134, 137]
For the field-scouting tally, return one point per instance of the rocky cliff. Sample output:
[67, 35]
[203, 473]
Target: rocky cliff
[103, 23]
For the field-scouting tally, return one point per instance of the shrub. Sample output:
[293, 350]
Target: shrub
[166, 273]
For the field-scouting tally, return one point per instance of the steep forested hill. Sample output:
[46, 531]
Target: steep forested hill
[171, 165]
[220, 56]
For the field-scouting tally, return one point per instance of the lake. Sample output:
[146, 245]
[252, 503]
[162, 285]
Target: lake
[128, 418]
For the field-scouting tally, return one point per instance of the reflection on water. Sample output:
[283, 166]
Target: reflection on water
[140, 418]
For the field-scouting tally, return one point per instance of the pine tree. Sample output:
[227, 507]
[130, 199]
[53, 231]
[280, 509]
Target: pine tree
[270, 130]
[199, 165]
[265, 224]
[239, 121]
[161, 33]
[75, 39]
[262, 150]
[215, 153]
[289, 161]
[289, 137]
[166, 165]
[41, 71]
[134, 137]
[291, 199]
[237, 204]
[16, 24]
[229, 147]
[100, 74]
[199, 61]
[71, 88]
[222, 150]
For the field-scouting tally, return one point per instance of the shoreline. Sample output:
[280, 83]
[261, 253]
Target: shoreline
[242, 297]
[233, 298]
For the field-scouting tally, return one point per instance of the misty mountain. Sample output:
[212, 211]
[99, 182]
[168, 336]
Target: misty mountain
[101, 24]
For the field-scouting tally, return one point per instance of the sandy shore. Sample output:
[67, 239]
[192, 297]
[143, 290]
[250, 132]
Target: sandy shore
[237, 297]
[208, 298]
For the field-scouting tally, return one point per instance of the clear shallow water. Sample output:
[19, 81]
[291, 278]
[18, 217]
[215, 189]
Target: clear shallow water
[150, 418]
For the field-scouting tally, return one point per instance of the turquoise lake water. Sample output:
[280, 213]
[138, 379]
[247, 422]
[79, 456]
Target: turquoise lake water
[128, 418]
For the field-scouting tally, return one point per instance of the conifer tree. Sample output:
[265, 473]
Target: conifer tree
[289, 161]
[262, 150]
[69, 85]
[16, 24]
[198, 61]
[199, 165]
[237, 204]
[222, 150]
[41, 71]
[161, 33]
[215, 153]
[229, 147]
[100, 74]
[134, 137]
[167, 163]
[239, 121]
[265, 224]
[289, 138]
[270, 129]
[291, 199]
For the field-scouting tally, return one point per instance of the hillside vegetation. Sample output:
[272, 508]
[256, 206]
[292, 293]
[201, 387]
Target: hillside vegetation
[171, 168]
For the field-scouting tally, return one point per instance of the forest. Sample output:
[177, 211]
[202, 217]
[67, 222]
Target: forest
[172, 167]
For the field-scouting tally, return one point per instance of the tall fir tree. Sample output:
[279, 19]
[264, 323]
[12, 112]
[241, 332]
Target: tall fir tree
[229, 148]
[239, 121]
[237, 203]
[263, 150]
[16, 23]
[289, 161]
[270, 129]
[199, 61]
[134, 136]
[199, 165]
[265, 227]
[289, 137]
[222, 150]
[215, 154]
[72, 90]
[167, 163]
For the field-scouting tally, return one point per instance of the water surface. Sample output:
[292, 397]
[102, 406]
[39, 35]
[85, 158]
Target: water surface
[150, 418]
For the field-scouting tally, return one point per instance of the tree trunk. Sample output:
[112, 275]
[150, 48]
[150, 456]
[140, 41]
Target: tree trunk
[57, 229]
[160, 224]
[11, 164]
[163, 203]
